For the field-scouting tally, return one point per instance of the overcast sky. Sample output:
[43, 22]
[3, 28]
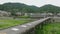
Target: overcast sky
[34, 2]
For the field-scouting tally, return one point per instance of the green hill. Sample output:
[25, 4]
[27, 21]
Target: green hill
[50, 8]
[19, 7]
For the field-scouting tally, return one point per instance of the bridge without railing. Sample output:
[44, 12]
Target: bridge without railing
[28, 28]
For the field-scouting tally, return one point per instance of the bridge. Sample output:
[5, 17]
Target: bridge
[28, 28]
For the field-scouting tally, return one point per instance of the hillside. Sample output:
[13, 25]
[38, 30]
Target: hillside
[19, 7]
[50, 8]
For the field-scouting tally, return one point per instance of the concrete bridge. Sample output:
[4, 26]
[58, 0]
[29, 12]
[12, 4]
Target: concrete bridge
[28, 28]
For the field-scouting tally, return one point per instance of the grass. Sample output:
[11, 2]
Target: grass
[11, 22]
[23, 16]
[52, 28]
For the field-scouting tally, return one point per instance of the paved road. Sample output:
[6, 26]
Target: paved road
[21, 28]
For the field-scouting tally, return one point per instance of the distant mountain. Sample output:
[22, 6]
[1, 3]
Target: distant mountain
[19, 7]
[50, 8]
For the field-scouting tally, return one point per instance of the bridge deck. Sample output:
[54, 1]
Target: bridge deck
[21, 28]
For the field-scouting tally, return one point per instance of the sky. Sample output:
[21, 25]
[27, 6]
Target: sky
[37, 3]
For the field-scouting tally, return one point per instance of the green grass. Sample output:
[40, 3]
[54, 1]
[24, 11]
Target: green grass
[23, 16]
[52, 28]
[11, 22]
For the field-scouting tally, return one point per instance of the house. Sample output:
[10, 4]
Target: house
[58, 14]
[39, 14]
[19, 14]
[4, 13]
